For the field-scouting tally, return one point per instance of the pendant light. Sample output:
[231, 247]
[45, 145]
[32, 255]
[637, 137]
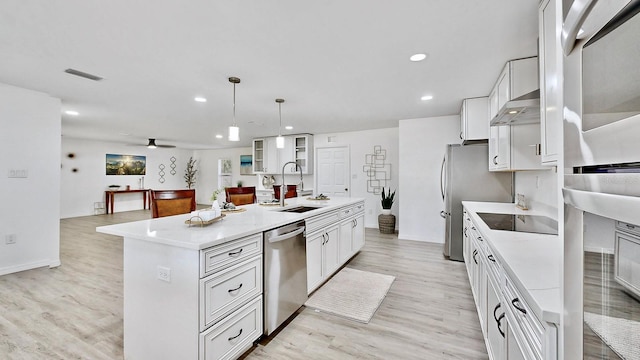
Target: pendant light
[280, 139]
[234, 130]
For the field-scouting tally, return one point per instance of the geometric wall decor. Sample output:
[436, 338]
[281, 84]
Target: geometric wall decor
[161, 173]
[378, 172]
[173, 165]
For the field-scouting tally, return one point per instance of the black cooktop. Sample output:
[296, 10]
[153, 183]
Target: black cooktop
[522, 223]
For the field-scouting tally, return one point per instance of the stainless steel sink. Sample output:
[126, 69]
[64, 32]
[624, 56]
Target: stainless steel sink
[300, 209]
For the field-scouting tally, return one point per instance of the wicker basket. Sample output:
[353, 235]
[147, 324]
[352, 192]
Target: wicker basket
[387, 224]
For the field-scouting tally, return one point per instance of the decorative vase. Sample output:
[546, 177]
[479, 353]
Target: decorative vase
[386, 211]
[387, 223]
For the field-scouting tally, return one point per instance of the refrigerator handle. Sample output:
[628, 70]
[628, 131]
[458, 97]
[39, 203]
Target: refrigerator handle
[442, 177]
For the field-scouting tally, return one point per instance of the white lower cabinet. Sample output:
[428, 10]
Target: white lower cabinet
[357, 242]
[496, 322]
[511, 329]
[333, 239]
[322, 256]
[512, 348]
[231, 337]
[226, 290]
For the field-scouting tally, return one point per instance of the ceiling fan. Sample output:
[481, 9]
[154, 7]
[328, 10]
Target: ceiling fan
[152, 145]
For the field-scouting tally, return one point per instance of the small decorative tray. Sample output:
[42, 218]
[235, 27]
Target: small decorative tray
[236, 210]
[317, 198]
[269, 203]
[197, 220]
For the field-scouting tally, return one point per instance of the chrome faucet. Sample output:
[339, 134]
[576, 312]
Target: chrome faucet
[283, 189]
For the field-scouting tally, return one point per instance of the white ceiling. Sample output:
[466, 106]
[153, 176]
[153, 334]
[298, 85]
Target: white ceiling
[340, 65]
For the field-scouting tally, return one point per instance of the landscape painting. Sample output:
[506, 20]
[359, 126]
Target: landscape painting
[126, 164]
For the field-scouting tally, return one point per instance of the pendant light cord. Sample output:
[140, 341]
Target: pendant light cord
[234, 104]
[280, 114]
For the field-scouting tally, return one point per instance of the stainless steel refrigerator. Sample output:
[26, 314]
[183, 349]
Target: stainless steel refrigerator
[465, 175]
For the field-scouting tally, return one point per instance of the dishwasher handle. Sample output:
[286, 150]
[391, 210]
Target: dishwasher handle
[288, 235]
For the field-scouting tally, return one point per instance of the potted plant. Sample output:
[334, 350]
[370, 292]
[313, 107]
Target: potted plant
[387, 221]
[387, 201]
[190, 173]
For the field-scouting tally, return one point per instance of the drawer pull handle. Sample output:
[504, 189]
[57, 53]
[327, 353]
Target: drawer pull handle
[465, 232]
[235, 337]
[473, 228]
[494, 312]
[236, 289]
[475, 252]
[495, 158]
[480, 238]
[499, 322]
[490, 257]
[629, 226]
[234, 253]
[518, 306]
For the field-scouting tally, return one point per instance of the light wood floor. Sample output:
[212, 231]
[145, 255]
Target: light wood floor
[75, 311]
[603, 295]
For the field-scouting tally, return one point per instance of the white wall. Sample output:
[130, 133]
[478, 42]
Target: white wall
[422, 147]
[540, 189]
[81, 189]
[362, 143]
[208, 168]
[30, 207]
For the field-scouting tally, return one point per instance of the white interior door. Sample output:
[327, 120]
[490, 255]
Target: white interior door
[332, 171]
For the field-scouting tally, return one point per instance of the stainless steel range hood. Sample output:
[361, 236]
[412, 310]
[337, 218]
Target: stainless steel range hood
[522, 110]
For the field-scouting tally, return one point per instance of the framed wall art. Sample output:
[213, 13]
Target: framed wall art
[126, 164]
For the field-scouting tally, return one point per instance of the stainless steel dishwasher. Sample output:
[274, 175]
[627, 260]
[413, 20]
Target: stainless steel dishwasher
[285, 274]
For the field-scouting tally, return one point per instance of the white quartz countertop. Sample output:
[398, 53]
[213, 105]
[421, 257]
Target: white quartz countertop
[172, 230]
[532, 261]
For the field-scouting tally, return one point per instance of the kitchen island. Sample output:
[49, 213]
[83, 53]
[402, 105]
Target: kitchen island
[194, 292]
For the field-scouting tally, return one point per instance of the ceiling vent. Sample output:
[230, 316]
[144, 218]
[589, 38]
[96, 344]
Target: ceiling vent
[83, 74]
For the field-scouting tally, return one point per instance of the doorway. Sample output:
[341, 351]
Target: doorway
[332, 171]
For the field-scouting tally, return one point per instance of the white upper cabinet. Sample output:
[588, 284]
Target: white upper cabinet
[516, 97]
[303, 152]
[474, 119]
[268, 159]
[514, 136]
[550, 23]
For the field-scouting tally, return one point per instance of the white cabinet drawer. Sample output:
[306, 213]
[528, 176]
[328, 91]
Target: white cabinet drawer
[346, 212]
[358, 208]
[219, 257]
[634, 229]
[532, 329]
[230, 338]
[321, 221]
[226, 290]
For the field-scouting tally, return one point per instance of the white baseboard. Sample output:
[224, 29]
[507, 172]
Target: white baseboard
[28, 266]
[402, 236]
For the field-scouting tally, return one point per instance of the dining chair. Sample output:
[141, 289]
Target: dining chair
[241, 195]
[172, 202]
[292, 191]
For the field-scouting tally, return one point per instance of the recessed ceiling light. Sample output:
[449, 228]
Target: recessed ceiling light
[218, 136]
[289, 127]
[200, 99]
[71, 112]
[426, 97]
[418, 57]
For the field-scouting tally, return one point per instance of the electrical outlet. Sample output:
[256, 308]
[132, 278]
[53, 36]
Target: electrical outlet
[164, 273]
[10, 239]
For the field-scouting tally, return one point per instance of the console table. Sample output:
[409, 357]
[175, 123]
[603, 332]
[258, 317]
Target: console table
[109, 198]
